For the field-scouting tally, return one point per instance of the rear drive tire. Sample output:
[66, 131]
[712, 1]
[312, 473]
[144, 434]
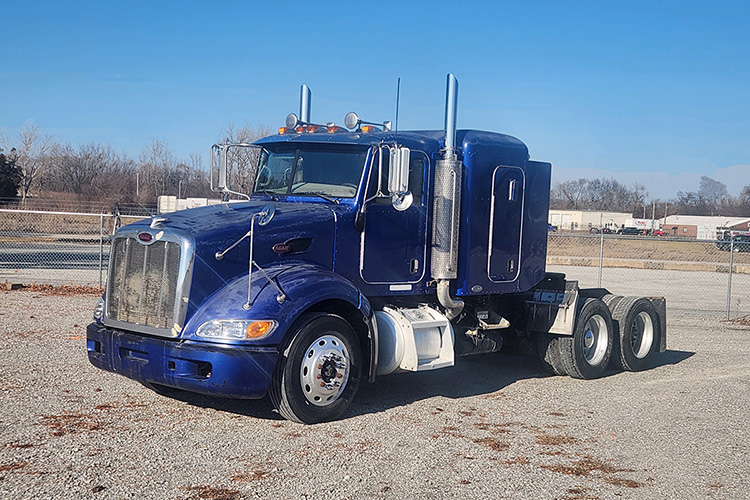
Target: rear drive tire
[611, 300]
[319, 371]
[548, 353]
[587, 352]
[636, 333]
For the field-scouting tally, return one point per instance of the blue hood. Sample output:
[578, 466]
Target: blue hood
[307, 228]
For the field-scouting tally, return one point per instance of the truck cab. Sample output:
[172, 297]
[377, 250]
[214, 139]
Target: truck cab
[360, 252]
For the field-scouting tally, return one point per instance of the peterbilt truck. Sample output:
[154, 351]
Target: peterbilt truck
[361, 251]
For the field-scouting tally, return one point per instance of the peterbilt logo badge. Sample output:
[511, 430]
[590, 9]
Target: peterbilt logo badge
[282, 248]
[145, 237]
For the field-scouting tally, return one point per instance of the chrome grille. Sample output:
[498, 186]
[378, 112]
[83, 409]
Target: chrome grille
[142, 288]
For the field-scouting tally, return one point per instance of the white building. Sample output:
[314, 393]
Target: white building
[703, 227]
[583, 220]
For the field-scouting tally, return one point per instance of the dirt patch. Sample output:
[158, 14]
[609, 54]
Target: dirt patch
[448, 430]
[20, 446]
[623, 482]
[211, 493]
[12, 466]
[551, 440]
[743, 322]
[72, 423]
[494, 428]
[585, 466]
[492, 443]
[579, 493]
[252, 475]
[588, 465]
[70, 289]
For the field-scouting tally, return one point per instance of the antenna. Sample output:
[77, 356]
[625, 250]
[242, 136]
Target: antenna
[398, 100]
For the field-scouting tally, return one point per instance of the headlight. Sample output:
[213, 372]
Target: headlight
[99, 310]
[235, 329]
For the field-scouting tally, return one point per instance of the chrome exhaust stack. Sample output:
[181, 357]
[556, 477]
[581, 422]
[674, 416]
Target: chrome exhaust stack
[447, 208]
[305, 103]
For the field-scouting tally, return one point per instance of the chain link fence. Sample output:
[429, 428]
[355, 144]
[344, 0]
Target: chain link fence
[57, 248]
[695, 276]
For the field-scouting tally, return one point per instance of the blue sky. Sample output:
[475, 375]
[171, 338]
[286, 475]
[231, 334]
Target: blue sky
[649, 92]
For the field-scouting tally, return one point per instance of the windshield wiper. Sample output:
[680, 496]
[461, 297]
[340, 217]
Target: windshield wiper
[321, 195]
[270, 194]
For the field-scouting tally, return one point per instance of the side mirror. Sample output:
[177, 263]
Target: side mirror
[398, 178]
[219, 165]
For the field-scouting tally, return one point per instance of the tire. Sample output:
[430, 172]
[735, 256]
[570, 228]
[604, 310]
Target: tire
[318, 373]
[636, 333]
[587, 352]
[612, 300]
[548, 353]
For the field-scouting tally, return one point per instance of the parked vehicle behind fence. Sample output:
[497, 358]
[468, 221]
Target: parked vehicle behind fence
[738, 243]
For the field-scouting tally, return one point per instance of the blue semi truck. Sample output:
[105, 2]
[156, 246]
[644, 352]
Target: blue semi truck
[361, 251]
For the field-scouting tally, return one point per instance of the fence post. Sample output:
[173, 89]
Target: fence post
[601, 257]
[101, 246]
[729, 282]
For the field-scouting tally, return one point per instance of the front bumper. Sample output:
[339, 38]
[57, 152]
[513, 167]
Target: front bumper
[214, 369]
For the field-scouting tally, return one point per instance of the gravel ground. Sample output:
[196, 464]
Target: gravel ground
[492, 427]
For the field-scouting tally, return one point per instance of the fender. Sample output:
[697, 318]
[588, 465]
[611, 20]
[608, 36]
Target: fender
[303, 284]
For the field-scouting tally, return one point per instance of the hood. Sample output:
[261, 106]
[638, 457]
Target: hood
[300, 231]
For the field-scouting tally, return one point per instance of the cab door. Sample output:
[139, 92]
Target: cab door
[393, 243]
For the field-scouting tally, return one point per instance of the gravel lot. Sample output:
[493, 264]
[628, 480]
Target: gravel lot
[492, 427]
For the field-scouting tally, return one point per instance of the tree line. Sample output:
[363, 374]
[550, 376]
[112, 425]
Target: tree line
[711, 198]
[34, 168]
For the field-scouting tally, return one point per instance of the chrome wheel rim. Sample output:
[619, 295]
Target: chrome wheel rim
[595, 340]
[325, 370]
[642, 335]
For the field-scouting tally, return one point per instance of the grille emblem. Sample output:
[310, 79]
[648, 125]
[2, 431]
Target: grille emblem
[145, 237]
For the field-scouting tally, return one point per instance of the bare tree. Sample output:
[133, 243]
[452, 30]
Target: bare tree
[597, 194]
[571, 193]
[32, 157]
[156, 168]
[78, 170]
[242, 161]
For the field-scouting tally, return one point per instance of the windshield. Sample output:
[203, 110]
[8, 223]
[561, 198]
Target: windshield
[333, 173]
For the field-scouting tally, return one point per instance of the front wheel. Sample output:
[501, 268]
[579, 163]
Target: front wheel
[587, 352]
[318, 373]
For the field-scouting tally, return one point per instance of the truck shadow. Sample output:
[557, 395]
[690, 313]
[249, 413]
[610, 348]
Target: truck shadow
[671, 357]
[471, 376]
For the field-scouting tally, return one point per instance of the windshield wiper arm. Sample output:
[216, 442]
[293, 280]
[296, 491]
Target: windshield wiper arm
[270, 194]
[322, 195]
